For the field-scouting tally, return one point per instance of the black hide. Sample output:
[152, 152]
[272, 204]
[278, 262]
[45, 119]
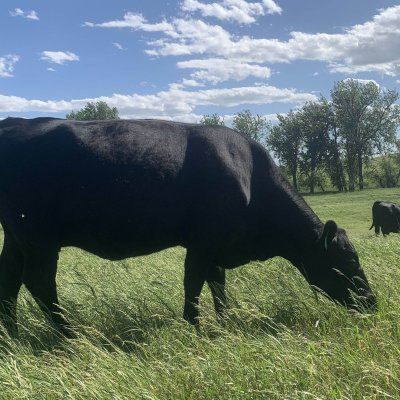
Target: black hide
[124, 188]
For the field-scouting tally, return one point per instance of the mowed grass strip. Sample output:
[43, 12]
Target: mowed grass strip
[278, 341]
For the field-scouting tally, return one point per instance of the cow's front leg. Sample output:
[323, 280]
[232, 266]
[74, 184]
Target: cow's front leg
[193, 282]
[216, 281]
[39, 276]
[11, 263]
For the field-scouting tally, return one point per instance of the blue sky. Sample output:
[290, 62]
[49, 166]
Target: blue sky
[182, 59]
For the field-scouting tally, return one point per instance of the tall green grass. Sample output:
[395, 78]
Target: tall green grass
[277, 342]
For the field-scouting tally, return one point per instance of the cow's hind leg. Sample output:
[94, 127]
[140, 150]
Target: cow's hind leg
[195, 275]
[39, 276]
[377, 229]
[199, 269]
[11, 264]
[216, 281]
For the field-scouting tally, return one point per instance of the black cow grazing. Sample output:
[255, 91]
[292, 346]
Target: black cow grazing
[125, 188]
[385, 217]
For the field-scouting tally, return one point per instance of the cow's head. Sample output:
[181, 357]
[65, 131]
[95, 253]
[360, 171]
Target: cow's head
[335, 269]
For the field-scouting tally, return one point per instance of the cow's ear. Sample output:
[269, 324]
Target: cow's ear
[329, 232]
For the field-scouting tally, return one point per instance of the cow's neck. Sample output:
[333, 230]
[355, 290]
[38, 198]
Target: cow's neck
[297, 227]
[289, 227]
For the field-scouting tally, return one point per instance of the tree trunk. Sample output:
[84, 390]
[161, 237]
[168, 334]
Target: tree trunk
[294, 178]
[351, 172]
[342, 176]
[312, 180]
[397, 178]
[360, 171]
[340, 179]
[351, 166]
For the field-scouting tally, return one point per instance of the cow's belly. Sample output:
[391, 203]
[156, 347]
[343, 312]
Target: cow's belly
[117, 241]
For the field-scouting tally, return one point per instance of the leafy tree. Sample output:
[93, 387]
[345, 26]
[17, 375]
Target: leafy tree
[367, 119]
[213, 119]
[285, 141]
[314, 122]
[320, 180]
[253, 126]
[94, 111]
[396, 158]
[335, 162]
[383, 171]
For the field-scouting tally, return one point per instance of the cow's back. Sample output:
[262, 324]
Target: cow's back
[120, 188]
[385, 216]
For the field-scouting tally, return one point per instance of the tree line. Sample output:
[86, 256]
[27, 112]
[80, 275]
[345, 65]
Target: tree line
[334, 140]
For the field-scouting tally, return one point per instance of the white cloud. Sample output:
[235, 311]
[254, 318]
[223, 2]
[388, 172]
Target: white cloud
[190, 36]
[272, 7]
[193, 37]
[20, 104]
[372, 46]
[364, 81]
[368, 47]
[134, 21]
[191, 83]
[59, 57]
[173, 103]
[178, 101]
[232, 10]
[7, 63]
[390, 69]
[219, 70]
[118, 46]
[25, 14]
[185, 83]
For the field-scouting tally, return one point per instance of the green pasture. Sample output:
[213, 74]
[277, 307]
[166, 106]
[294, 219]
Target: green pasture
[278, 341]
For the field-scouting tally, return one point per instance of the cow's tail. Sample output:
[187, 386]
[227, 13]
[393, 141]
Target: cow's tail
[374, 206]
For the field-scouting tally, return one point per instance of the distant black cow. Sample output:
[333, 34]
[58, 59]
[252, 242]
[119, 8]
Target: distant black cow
[385, 217]
[126, 188]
